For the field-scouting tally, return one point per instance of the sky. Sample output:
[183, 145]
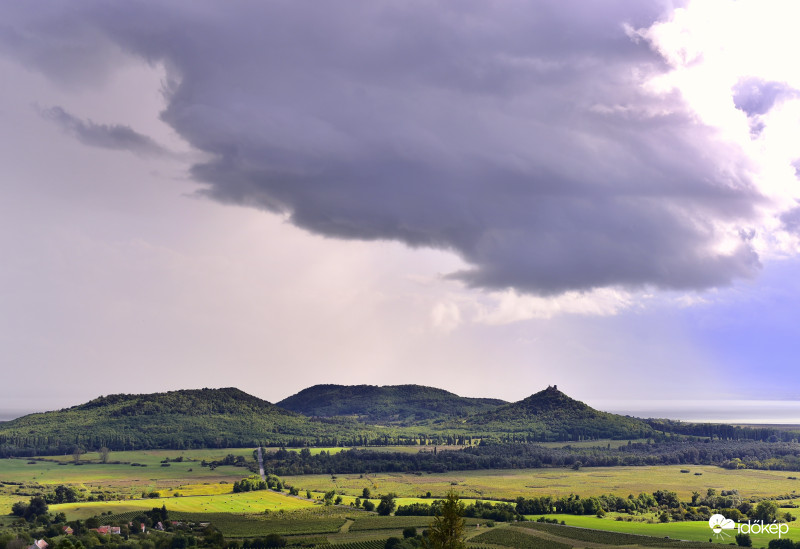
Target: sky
[487, 197]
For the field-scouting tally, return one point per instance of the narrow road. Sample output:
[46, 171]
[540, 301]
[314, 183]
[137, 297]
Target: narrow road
[261, 465]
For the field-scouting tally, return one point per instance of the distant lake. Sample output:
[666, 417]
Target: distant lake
[773, 412]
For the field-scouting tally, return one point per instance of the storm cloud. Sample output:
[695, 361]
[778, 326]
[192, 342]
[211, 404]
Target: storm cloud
[518, 135]
[114, 136]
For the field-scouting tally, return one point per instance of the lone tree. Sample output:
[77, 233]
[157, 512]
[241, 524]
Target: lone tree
[104, 454]
[447, 529]
[387, 505]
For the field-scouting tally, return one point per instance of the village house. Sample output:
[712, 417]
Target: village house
[107, 530]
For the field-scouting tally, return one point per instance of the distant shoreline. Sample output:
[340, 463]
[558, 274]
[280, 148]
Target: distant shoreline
[8, 415]
[750, 413]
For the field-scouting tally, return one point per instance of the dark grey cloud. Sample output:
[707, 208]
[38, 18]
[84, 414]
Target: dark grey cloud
[516, 134]
[113, 136]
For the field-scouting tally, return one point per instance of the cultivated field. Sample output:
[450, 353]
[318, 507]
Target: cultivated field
[589, 481]
[198, 493]
[242, 503]
[693, 531]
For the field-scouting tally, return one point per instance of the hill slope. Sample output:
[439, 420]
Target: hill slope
[552, 415]
[176, 419]
[232, 418]
[390, 403]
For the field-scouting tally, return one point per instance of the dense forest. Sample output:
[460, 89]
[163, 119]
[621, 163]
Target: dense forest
[232, 418]
[394, 403]
[179, 419]
[551, 415]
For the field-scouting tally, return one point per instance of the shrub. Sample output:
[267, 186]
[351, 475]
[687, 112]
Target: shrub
[274, 540]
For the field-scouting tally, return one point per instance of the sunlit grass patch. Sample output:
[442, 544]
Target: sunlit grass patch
[241, 503]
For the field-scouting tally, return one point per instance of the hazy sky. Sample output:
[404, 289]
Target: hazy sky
[487, 197]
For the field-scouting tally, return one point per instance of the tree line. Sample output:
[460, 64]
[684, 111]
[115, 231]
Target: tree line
[732, 454]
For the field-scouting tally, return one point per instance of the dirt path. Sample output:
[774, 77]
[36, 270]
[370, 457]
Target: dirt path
[346, 526]
[261, 465]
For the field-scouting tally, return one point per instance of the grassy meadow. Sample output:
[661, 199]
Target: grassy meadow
[120, 478]
[688, 530]
[590, 481]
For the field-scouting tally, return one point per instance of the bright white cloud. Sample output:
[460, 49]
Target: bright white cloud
[723, 52]
[446, 316]
[511, 306]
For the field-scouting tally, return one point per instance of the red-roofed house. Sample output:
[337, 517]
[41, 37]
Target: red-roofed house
[108, 530]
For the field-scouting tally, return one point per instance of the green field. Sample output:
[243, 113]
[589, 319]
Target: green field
[153, 457]
[242, 503]
[589, 481]
[122, 480]
[62, 470]
[693, 531]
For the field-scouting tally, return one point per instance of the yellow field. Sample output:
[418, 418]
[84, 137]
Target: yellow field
[153, 457]
[120, 478]
[245, 502]
[205, 489]
[405, 449]
[589, 481]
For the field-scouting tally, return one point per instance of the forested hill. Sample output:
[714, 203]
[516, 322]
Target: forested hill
[220, 418]
[176, 419]
[391, 403]
[552, 415]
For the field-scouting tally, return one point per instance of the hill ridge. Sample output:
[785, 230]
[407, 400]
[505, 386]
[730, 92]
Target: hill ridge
[380, 403]
[552, 415]
[230, 417]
